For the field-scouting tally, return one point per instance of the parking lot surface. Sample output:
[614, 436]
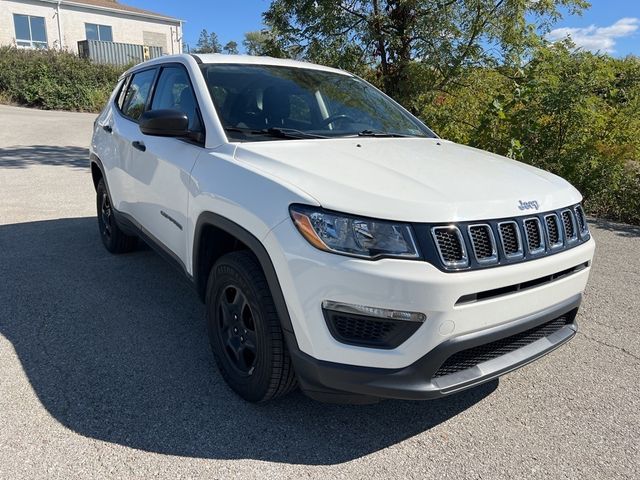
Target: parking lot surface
[106, 372]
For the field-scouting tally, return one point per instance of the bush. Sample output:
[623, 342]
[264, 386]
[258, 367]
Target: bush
[574, 113]
[54, 80]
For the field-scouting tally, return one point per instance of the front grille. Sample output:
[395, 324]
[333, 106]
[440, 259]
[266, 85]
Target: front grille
[569, 226]
[553, 230]
[450, 245]
[510, 238]
[483, 242]
[473, 356]
[367, 331]
[533, 234]
[487, 243]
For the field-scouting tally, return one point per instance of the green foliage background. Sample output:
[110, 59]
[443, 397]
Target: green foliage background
[574, 113]
[54, 80]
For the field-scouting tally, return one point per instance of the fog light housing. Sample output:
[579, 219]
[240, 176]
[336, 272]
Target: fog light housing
[372, 327]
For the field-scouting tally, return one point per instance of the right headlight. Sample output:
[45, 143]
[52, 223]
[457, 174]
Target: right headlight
[355, 236]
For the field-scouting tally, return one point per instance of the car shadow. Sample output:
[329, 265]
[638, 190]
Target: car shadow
[26, 156]
[115, 348]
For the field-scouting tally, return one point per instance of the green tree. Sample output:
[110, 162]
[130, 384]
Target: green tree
[231, 48]
[208, 43]
[413, 44]
[264, 43]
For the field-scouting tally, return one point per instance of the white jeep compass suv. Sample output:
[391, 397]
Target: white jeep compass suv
[339, 244]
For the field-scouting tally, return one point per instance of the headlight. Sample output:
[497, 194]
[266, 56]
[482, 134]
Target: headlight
[359, 237]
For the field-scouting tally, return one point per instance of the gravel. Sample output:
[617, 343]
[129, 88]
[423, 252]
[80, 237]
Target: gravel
[105, 369]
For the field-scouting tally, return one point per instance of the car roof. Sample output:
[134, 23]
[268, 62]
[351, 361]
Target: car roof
[219, 58]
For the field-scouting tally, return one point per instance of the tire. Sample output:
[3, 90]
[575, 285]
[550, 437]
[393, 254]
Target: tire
[245, 332]
[114, 239]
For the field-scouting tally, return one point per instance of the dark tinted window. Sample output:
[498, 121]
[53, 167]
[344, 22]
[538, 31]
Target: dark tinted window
[251, 97]
[137, 94]
[174, 92]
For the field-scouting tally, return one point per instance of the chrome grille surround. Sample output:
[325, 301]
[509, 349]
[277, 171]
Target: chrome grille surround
[478, 244]
[554, 233]
[532, 234]
[463, 260]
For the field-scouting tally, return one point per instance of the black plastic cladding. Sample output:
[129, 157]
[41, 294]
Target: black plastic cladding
[430, 251]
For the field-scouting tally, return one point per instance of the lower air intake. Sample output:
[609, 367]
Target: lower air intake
[470, 358]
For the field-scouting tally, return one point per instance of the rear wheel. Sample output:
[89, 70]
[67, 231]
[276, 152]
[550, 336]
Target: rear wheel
[114, 239]
[244, 330]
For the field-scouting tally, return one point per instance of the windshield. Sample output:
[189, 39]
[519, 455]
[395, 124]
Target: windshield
[263, 102]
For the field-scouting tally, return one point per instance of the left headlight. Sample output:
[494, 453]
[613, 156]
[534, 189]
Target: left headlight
[349, 235]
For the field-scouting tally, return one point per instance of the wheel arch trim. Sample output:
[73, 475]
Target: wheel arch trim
[94, 160]
[255, 246]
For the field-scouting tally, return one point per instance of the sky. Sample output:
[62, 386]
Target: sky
[611, 26]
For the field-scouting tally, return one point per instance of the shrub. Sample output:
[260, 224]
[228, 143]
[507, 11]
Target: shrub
[54, 80]
[574, 113]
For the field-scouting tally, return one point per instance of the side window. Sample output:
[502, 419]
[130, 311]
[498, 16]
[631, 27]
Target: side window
[137, 94]
[174, 92]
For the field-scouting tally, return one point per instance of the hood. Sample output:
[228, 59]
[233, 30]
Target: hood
[409, 179]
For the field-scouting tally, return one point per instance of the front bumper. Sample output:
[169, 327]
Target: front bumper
[335, 382]
[308, 276]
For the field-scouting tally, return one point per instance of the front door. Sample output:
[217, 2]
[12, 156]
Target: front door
[165, 165]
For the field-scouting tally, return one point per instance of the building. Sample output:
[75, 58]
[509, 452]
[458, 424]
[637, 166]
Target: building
[61, 24]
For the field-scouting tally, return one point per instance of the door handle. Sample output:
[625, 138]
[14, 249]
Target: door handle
[107, 128]
[139, 145]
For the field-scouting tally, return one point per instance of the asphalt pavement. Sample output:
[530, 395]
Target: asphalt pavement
[106, 372]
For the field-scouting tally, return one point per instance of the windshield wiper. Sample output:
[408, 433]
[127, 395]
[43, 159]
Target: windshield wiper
[277, 132]
[373, 133]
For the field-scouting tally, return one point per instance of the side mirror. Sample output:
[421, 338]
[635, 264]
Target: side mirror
[165, 123]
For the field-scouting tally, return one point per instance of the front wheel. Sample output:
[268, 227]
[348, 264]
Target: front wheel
[244, 330]
[114, 239]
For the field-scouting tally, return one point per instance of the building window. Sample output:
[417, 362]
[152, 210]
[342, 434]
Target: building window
[30, 31]
[98, 32]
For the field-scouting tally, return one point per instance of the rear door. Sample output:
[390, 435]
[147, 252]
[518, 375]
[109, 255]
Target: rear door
[162, 171]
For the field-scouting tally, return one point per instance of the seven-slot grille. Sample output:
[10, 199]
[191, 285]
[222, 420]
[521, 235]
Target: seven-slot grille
[508, 241]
